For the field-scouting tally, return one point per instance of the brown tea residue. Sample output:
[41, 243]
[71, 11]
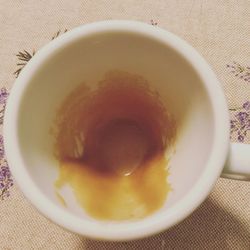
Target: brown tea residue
[111, 143]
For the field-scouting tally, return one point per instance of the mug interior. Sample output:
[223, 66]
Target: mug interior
[86, 58]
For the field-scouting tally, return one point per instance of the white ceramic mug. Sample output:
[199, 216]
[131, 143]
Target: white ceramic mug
[186, 85]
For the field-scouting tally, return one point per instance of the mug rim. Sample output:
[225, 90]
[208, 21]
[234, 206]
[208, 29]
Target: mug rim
[158, 221]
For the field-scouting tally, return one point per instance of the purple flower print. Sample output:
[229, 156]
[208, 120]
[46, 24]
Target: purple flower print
[242, 72]
[3, 98]
[153, 22]
[242, 117]
[246, 105]
[1, 148]
[240, 122]
[3, 95]
[6, 181]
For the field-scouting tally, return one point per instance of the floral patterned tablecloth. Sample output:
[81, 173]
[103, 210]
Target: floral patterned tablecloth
[219, 30]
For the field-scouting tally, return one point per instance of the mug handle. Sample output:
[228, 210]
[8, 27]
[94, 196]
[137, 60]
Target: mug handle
[237, 165]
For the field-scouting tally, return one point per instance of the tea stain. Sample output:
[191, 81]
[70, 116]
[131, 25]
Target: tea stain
[111, 145]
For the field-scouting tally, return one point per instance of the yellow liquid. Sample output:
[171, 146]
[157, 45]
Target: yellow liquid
[117, 197]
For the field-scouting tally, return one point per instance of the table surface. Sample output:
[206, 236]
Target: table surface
[219, 30]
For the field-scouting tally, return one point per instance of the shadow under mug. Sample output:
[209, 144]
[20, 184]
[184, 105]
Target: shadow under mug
[187, 87]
